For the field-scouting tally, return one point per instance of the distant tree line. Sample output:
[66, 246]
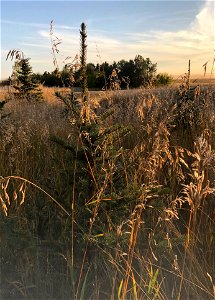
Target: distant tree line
[122, 74]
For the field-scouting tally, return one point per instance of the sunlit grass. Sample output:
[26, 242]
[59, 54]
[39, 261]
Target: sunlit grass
[143, 229]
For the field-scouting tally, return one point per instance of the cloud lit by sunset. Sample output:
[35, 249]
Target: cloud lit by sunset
[169, 33]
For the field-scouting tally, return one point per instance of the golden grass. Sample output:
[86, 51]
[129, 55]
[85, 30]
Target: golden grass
[3, 92]
[142, 228]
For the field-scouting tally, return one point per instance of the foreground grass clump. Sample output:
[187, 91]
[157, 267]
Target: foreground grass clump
[118, 207]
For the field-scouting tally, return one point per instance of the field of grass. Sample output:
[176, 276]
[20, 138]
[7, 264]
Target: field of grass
[119, 208]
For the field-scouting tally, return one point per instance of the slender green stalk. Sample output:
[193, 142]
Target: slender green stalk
[83, 60]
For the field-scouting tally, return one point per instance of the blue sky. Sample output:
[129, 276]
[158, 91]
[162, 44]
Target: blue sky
[168, 32]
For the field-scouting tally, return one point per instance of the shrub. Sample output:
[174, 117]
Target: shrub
[163, 79]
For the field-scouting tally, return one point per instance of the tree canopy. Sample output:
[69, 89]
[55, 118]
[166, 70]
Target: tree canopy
[133, 73]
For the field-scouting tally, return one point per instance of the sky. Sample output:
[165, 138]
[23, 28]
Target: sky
[168, 32]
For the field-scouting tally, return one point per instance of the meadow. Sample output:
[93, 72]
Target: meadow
[121, 207]
[106, 194]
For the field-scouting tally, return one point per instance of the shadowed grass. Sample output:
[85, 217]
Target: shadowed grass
[140, 210]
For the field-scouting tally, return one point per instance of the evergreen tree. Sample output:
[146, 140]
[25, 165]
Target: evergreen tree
[25, 83]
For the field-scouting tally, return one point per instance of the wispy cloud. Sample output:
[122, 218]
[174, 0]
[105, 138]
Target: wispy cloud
[38, 25]
[109, 48]
[35, 45]
[9, 22]
[170, 48]
[196, 42]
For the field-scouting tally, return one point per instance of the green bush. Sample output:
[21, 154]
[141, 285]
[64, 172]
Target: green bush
[163, 79]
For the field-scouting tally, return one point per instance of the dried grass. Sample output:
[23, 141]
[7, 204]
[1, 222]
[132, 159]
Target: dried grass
[146, 231]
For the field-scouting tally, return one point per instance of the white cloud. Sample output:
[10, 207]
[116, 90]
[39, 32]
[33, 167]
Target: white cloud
[35, 45]
[195, 43]
[9, 22]
[37, 25]
[171, 49]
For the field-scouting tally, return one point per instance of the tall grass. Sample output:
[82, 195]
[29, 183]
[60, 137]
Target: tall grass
[142, 230]
[109, 197]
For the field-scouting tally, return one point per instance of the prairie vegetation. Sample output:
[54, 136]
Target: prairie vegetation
[108, 196]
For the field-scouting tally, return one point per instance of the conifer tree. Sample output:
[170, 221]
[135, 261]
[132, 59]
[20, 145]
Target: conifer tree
[83, 59]
[25, 84]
